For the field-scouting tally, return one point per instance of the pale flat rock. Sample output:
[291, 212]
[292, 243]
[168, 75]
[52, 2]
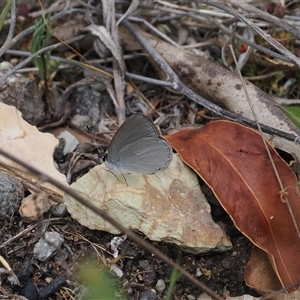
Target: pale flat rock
[26, 142]
[167, 206]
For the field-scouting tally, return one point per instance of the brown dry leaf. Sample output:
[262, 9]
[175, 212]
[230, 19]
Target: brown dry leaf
[259, 273]
[260, 276]
[232, 160]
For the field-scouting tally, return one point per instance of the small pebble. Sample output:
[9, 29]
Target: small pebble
[148, 295]
[129, 290]
[198, 272]
[160, 285]
[117, 271]
[59, 211]
[48, 245]
[204, 297]
[34, 206]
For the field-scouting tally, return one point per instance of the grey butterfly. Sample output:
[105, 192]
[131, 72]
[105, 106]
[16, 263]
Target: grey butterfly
[137, 147]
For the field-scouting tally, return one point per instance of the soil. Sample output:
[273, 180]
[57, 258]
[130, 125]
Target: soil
[221, 272]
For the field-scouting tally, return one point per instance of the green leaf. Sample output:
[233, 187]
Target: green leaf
[174, 278]
[4, 13]
[40, 40]
[293, 113]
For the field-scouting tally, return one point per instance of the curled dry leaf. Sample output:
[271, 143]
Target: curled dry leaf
[232, 160]
[102, 33]
[259, 274]
[133, 6]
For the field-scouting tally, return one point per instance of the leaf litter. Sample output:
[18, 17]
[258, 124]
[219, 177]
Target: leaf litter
[223, 272]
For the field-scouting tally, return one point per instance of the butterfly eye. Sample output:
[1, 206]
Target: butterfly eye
[103, 157]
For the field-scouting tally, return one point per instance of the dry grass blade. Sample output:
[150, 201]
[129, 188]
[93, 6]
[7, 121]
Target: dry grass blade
[133, 6]
[118, 66]
[102, 33]
[10, 35]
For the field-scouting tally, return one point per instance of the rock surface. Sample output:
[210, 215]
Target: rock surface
[11, 194]
[167, 206]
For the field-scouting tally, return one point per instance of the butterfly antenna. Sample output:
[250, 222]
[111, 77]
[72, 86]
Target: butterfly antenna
[124, 179]
[114, 174]
[101, 154]
[117, 176]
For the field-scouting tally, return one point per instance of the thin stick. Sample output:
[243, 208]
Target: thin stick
[25, 231]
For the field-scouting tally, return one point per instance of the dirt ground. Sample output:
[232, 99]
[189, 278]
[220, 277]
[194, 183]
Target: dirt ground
[221, 272]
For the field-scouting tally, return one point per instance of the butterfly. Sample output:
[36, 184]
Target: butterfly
[137, 147]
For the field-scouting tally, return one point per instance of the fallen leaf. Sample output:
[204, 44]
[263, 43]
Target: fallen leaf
[232, 160]
[260, 276]
[259, 273]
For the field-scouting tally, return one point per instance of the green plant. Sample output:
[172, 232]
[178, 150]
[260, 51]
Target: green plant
[175, 275]
[4, 13]
[40, 40]
[293, 113]
[101, 285]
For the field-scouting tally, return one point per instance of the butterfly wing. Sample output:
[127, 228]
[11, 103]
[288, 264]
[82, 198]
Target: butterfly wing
[137, 147]
[134, 128]
[146, 155]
